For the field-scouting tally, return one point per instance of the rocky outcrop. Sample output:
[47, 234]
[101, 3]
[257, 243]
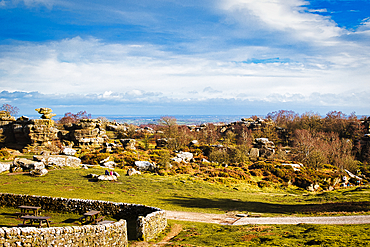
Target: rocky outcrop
[128, 143]
[6, 127]
[87, 132]
[266, 148]
[46, 113]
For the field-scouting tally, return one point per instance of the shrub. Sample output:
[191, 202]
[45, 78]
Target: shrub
[263, 184]
[4, 154]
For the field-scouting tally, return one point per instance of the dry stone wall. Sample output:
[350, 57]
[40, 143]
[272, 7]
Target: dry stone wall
[74, 236]
[149, 226]
[151, 221]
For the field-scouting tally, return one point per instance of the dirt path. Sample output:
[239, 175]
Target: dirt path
[175, 230]
[232, 219]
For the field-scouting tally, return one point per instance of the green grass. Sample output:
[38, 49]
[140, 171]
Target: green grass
[202, 234]
[187, 193]
[9, 218]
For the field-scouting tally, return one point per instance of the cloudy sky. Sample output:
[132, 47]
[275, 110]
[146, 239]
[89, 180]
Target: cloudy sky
[193, 57]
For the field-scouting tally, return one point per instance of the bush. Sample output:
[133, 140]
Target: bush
[263, 184]
[94, 159]
[4, 154]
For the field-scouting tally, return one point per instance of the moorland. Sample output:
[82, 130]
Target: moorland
[248, 166]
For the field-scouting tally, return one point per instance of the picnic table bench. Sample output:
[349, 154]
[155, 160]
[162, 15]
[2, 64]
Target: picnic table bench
[35, 219]
[91, 216]
[29, 210]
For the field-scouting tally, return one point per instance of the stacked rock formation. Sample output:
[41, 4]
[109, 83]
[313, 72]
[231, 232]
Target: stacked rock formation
[6, 127]
[262, 147]
[36, 132]
[87, 132]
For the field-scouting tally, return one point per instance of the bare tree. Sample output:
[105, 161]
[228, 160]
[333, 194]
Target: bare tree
[12, 110]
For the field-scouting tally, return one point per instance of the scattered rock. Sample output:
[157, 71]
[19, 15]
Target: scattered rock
[109, 164]
[296, 167]
[128, 143]
[62, 160]
[183, 156]
[194, 142]
[144, 166]
[68, 151]
[4, 167]
[92, 175]
[161, 143]
[132, 171]
[27, 164]
[38, 172]
[107, 178]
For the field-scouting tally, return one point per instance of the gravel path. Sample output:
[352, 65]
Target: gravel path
[230, 219]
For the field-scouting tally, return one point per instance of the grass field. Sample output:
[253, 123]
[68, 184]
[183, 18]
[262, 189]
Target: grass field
[9, 218]
[202, 234]
[187, 193]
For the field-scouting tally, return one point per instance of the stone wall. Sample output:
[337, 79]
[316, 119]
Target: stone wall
[89, 235]
[149, 226]
[151, 221]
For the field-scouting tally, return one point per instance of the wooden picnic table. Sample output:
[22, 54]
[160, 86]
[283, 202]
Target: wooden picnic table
[35, 219]
[91, 216]
[26, 210]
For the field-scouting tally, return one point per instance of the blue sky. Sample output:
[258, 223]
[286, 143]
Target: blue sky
[173, 57]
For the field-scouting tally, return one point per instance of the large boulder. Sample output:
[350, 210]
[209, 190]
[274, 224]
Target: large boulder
[39, 172]
[68, 151]
[27, 164]
[109, 164]
[185, 156]
[144, 166]
[107, 178]
[4, 167]
[254, 153]
[59, 160]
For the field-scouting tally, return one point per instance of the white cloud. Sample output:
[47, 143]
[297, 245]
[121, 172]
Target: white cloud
[210, 90]
[287, 16]
[146, 73]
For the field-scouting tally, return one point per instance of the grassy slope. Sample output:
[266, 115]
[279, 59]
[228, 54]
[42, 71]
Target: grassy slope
[185, 193]
[201, 234]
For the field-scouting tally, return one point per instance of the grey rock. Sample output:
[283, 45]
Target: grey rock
[107, 178]
[132, 171]
[4, 167]
[68, 151]
[39, 172]
[110, 164]
[144, 165]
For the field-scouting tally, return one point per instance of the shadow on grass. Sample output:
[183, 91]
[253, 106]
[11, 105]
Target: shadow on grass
[70, 221]
[262, 207]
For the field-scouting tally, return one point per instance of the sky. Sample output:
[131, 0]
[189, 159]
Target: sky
[194, 57]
